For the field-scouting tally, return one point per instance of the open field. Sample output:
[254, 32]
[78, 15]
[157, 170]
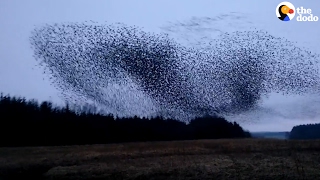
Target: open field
[202, 159]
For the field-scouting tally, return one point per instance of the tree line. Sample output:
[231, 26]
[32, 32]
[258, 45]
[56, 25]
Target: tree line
[30, 123]
[305, 131]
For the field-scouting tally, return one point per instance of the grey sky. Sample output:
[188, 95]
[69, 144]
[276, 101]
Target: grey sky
[19, 76]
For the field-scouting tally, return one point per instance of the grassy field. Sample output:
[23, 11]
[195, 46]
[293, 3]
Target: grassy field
[202, 159]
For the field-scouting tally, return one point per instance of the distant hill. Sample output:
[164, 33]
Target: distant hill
[275, 135]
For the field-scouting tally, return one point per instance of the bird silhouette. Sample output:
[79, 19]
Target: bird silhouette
[229, 75]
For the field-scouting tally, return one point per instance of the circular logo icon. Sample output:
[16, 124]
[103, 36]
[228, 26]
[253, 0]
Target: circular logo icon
[285, 11]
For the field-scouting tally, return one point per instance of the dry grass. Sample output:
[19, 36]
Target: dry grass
[202, 159]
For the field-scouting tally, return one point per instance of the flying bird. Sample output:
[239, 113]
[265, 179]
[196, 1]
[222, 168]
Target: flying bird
[230, 75]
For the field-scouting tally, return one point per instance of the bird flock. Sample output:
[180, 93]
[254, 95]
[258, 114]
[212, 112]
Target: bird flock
[228, 76]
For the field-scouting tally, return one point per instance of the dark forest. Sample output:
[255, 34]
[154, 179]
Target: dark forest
[30, 123]
[305, 131]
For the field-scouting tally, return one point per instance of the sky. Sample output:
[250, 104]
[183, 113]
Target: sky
[20, 75]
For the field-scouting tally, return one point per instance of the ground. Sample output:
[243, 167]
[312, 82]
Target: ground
[201, 159]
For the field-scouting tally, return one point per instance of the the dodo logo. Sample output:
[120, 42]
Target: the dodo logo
[285, 11]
